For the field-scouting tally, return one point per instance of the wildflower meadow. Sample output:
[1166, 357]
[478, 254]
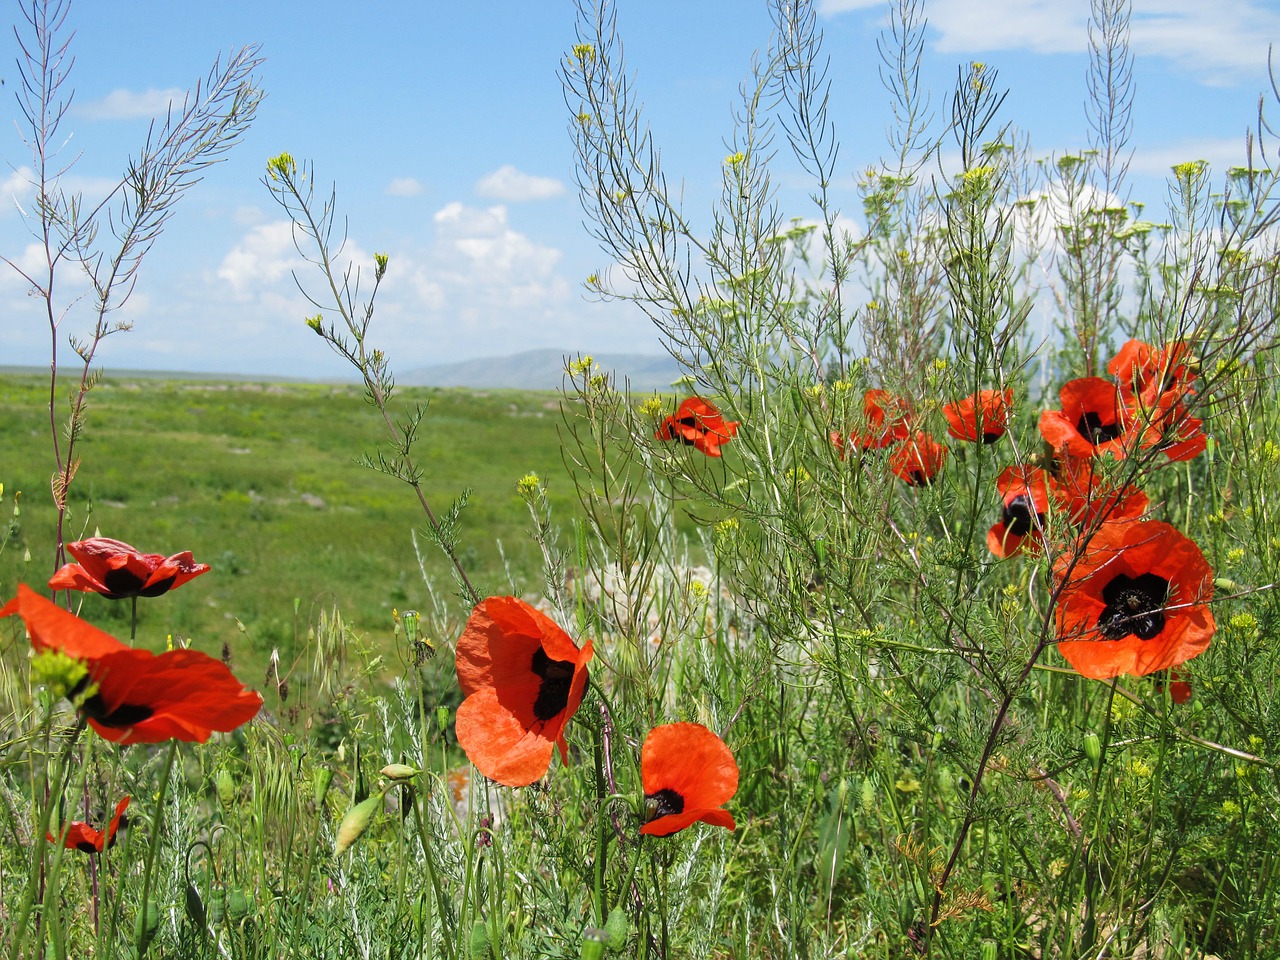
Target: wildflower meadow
[931, 614]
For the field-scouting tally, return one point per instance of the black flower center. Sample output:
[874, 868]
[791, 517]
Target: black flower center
[553, 694]
[157, 588]
[121, 718]
[664, 803]
[1094, 430]
[121, 583]
[1019, 515]
[1134, 606]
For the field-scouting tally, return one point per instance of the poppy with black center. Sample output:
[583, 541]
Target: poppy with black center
[688, 775]
[1136, 602]
[523, 678]
[81, 836]
[698, 424]
[135, 696]
[983, 416]
[1024, 492]
[1091, 420]
[116, 570]
[918, 461]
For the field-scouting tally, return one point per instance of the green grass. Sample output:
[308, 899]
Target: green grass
[261, 482]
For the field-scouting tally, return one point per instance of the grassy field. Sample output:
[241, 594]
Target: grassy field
[260, 481]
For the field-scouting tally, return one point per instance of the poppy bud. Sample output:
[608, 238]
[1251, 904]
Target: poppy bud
[480, 941]
[320, 786]
[195, 907]
[1093, 748]
[355, 822]
[225, 788]
[868, 795]
[216, 909]
[238, 905]
[618, 929]
[593, 941]
[399, 771]
[147, 925]
[988, 949]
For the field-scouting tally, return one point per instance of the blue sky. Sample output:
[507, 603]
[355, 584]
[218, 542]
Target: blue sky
[445, 131]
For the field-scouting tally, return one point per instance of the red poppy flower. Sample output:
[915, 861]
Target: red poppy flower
[1184, 440]
[136, 696]
[116, 570]
[698, 423]
[983, 416]
[1179, 689]
[688, 775]
[1167, 425]
[80, 836]
[1024, 493]
[1093, 419]
[1087, 498]
[1145, 373]
[524, 679]
[886, 420]
[1135, 603]
[918, 461]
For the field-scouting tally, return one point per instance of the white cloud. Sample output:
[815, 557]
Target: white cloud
[132, 104]
[263, 257]
[1216, 41]
[484, 239]
[513, 186]
[16, 189]
[1219, 154]
[403, 187]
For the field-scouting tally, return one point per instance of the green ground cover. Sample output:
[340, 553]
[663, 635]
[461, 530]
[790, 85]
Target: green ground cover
[260, 481]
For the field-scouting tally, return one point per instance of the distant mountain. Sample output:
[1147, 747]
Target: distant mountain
[544, 370]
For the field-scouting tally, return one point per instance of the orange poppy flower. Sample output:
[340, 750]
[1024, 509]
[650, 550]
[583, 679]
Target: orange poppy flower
[698, 423]
[80, 836]
[1093, 419]
[1179, 689]
[1145, 373]
[983, 416]
[1087, 498]
[1024, 493]
[918, 461]
[887, 420]
[136, 696]
[1135, 603]
[524, 679]
[116, 570]
[688, 775]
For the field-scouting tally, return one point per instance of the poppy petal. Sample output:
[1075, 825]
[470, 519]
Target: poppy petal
[53, 628]
[498, 743]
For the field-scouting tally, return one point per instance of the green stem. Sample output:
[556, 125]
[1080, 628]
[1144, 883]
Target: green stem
[37, 859]
[602, 835]
[154, 844]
